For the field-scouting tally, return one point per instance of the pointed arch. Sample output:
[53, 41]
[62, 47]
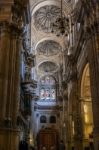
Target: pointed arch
[86, 104]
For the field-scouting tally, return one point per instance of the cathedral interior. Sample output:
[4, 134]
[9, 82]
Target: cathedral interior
[49, 74]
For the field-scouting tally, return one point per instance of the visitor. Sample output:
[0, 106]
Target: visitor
[61, 145]
[23, 145]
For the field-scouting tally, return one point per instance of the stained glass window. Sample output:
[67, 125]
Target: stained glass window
[42, 94]
[53, 93]
[47, 88]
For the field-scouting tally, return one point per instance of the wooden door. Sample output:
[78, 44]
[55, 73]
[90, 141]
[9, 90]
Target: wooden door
[48, 139]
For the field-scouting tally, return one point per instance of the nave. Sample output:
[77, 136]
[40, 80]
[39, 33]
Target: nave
[49, 74]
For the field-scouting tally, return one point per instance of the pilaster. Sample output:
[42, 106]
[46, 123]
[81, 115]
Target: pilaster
[92, 32]
[9, 87]
[76, 111]
[10, 46]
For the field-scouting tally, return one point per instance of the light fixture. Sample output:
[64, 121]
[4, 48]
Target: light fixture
[61, 25]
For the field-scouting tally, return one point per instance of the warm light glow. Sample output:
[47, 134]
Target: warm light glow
[88, 130]
[86, 118]
[64, 125]
[31, 140]
[85, 108]
[87, 103]
[73, 127]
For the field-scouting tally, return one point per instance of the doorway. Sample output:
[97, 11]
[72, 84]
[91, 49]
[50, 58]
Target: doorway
[86, 105]
[48, 139]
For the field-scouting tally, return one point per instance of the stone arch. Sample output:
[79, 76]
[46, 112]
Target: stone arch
[52, 119]
[86, 106]
[48, 2]
[85, 83]
[49, 75]
[43, 119]
[48, 47]
[48, 66]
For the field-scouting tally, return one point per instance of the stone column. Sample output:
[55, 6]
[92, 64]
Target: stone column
[92, 30]
[78, 132]
[94, 77]
[4, 60]
[9, 86]
[76, 108]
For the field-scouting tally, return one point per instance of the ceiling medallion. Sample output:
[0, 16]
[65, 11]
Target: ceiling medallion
[45, 16]
[49, 48]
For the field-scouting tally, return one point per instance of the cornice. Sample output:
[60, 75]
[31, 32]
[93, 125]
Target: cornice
[38, 107]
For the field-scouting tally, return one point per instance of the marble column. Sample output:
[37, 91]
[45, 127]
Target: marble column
[9, 85]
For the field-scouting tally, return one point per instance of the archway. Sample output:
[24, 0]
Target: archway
[86, 106]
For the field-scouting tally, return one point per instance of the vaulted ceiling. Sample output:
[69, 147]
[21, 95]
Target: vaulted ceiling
[47, 46]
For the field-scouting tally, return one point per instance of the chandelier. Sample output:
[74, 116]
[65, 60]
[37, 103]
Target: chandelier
[61, 25]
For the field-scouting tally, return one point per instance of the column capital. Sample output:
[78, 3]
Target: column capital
[6, 27]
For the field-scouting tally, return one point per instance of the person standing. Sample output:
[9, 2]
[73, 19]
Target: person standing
[23, 145]
[61, 145]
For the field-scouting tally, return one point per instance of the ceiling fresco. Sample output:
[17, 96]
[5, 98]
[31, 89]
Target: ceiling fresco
[48, 48]
[45, 16]
[48, 66]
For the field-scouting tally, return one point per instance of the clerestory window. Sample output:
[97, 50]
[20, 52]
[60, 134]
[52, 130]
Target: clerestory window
[47, 88]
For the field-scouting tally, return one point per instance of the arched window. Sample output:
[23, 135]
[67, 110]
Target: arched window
[47, 88]
[52, 119]
[43, 119]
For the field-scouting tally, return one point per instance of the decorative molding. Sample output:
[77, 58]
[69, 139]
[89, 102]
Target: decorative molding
[29, 59]
[47, 107]
[48, 66]
[29, 85]
[49, 48]
[45, 16]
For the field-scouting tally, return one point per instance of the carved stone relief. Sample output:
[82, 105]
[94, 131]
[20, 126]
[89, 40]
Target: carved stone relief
[48, 48]
[48, 66]
[45, 16]
[26, 39]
